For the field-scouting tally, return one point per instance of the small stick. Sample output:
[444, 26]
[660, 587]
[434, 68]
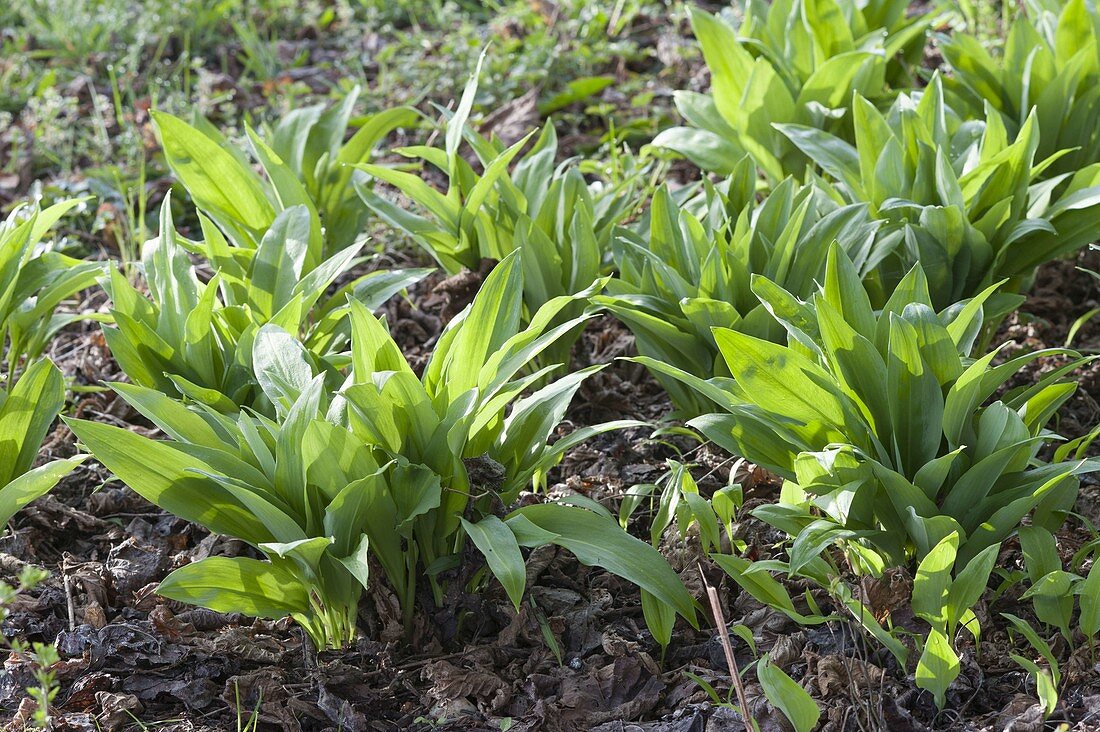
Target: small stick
[731, 662]
[69, 595]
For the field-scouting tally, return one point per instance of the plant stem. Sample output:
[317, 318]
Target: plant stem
[727, 647]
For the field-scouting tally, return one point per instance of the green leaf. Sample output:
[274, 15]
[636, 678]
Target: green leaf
[306, 553]
[280, 261]
[168, 477]
[575, 91]
[170, 415]
[281, 365]
[787, 695]
[914, 391]
[938, 666]
[836, 157]
[812, 541]
[377, 126]
[443, 208]
[1045, 687]
[237, 585]
[762, 586]
[462, 112]
[1040, 645]
[26, 415]
[214, 178]
[1089, 593]
[660, 618]
[933, 582]
[358, 562]
[775, 375]
[33, 484]
[970, 584]
[831, 83]
[599, 541]
[704, 148]
[494, 317]
[496, 541]
[729, 63]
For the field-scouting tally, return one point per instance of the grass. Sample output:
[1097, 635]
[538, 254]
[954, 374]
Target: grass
[78, 78]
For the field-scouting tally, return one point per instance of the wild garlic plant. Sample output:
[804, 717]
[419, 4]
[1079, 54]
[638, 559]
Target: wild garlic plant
[521, 199]
[967, 197]
[35, 279]
[892, 451]
[381, 467]
[681, 274]
[28, 410]
[196, 337]
[307, 163]
[791, 62]
[1050, 63]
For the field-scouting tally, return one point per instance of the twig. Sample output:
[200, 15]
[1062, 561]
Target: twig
[731, 662]
[69, 596]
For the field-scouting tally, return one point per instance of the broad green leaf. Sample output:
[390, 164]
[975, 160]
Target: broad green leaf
[237, 585]
[729, 63]
[772, 374]
[215, 179]
[170, 415]
[787, 695]
[599, 541]
[762, 586]
[358, 562]
[836, 157]
[282, 365]
[168, 477]
[938, 666]
[706, 149]
[306, 553]
[33, 484]
[444, 209]
[496, 541]
[1089, 594]
[280, 261]
[914, 391]
[932, 583]
[26, 415]
[970, 584]
[660, 618]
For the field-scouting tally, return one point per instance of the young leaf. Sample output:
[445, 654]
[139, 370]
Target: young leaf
[938, 666]
[598, 541]
[237, 585]
[496, 541]
[216, 180]
[787, 695]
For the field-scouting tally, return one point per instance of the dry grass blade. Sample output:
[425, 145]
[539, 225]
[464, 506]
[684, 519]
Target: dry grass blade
[727, 647]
